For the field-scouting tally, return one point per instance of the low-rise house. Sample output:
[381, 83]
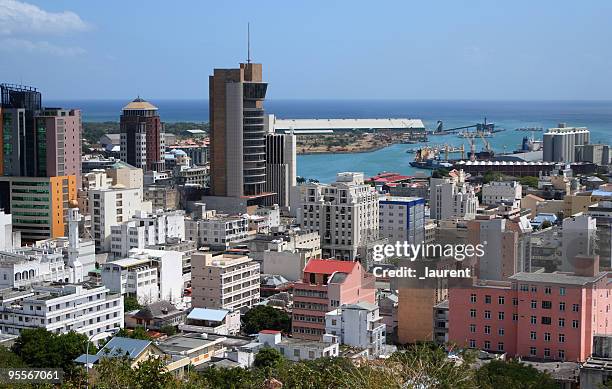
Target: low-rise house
[216, 321]
[155, 316]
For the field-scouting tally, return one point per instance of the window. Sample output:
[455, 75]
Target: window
[533, 351]
[487, 314]
[547, 336]
[501, 315]
[562, 291]
[562, 306]
[534, 320]
[534, 304]
[296, 352]
[487, 345]
[472, 343]
[524, 288]
[472, 328]
[487, 330]
[472, 313]
[515, 317]
[547, 290]
[533, 335]
[575, 307]
[561, 338]
[561, 322]
[473, 298]
[546, 304]
[514, 301]
[501, 332]
[500, 346]
[501, 300]
[561, 354]
[534, 289]
[546, 320]
[487, 299]
[575, 324]
[546, 353]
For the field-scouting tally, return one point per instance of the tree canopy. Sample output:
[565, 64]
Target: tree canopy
[513, 374]
[264, 317]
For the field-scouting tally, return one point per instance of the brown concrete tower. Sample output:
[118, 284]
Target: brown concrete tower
[237, 132]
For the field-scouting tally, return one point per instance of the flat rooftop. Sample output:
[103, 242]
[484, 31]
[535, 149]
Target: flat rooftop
[188, 343]
[556, 278]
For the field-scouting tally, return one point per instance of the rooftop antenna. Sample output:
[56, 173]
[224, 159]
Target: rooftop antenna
[248, 42]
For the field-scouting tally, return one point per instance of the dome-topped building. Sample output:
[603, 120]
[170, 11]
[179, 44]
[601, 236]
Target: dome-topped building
[141, 144]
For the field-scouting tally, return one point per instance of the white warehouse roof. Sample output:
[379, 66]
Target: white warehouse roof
[347, 124]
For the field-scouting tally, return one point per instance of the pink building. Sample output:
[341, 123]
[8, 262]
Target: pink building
[326, 285]
[542, 316]
[58, 145]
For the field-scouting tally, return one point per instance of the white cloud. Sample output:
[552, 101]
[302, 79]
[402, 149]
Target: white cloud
[28, 46]
[17, 17]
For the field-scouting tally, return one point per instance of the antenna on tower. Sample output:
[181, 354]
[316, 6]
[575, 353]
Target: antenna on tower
[248, 42]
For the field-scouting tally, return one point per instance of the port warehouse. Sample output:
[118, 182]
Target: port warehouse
[329, 125]
[518, 168]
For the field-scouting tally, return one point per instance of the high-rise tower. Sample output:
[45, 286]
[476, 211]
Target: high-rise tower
[237, 132]
[141, 135]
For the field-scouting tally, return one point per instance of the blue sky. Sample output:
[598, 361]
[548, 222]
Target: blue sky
[484, 50]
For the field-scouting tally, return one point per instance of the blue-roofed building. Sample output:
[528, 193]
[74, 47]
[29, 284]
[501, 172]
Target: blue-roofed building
[540, 218]
[214, 321]
[137, 351]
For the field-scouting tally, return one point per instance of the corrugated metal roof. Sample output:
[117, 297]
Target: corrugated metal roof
[207, 314]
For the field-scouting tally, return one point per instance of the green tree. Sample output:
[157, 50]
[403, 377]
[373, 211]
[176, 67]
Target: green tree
[264, 317]
[168, 330]
[41, 348]
[267, 357]
[529, 181]
[9, 358]
[136, 333]
[513, 374]
[492, 176]
[440, 173]
[131, 304]
[234, 378]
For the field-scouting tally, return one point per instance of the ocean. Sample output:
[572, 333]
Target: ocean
[596, 115]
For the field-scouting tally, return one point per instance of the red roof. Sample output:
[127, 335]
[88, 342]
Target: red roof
[328, 266]
[270, 332]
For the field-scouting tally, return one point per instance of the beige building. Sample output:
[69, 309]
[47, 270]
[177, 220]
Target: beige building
[126, 175]
[223, 281]
[577, 203]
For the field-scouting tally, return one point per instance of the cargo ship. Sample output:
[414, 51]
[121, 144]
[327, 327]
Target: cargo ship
[427, 159]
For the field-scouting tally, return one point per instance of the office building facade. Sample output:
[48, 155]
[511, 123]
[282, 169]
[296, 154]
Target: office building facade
[237, 132]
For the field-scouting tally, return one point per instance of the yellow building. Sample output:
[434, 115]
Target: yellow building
[38, 205]
[577, 203]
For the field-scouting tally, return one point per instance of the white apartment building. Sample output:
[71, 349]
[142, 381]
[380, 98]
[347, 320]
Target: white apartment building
[110, 207]
[451, 198]
[223, 281]
[402, 219]
[602, 213]
[344, 213]
[288, 255]
[357, 325]
[298, 349]
[148, 275]
[25, 266]
[578, 238]
[81, 308]
[217, 230]
[265, 218]
[145, 229]
[8, 238]
[560, 143]
[497, 192]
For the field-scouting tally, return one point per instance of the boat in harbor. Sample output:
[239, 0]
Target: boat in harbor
[427, 158]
